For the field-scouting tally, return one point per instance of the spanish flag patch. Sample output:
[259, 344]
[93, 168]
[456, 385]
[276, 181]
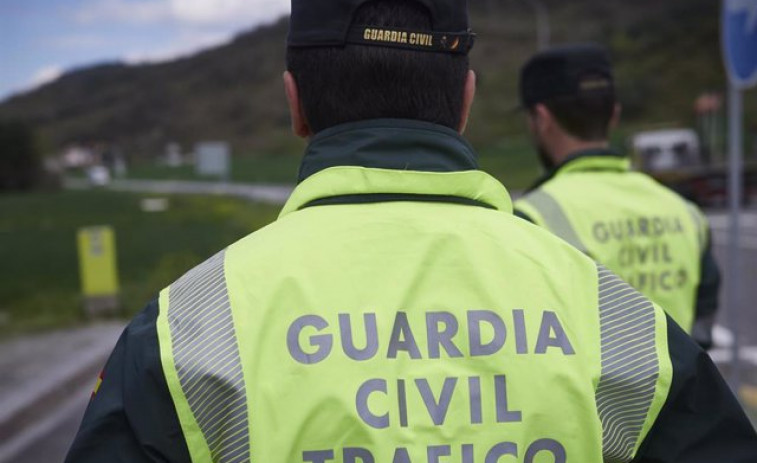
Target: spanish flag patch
[97, 384]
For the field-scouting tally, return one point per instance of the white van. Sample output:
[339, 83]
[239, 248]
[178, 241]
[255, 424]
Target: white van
[666, 150]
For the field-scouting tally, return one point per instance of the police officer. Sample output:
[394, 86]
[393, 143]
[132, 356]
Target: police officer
[648, 235]
[383, 318]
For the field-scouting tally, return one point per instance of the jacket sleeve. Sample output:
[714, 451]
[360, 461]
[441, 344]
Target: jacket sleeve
[701, 421]
[131, 418]
[707, 297]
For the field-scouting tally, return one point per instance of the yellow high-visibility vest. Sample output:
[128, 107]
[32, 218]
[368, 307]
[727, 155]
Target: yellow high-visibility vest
[409, 331]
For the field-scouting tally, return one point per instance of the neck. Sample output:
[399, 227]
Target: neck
[569, 146]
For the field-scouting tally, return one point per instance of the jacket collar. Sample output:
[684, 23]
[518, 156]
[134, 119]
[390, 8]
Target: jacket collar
[397, 144]
[593, 160]
[380, 157]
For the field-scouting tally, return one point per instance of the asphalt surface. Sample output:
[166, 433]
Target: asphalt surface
[265, 193]
[56, 435]
[54, 441]
[746, 315]
[45, 385]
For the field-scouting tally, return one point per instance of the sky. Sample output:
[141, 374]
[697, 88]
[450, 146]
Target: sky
[42, 39]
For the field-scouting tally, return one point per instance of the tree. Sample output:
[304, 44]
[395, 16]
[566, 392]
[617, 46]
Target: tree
[20, 162]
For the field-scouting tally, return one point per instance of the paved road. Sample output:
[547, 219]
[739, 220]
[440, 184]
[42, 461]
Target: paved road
[52, 444]
[747, 272]
[44, 387]
[55, 437]
[266, 193]
[746, 315]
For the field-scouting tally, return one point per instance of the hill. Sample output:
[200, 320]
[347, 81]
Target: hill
[666, 54]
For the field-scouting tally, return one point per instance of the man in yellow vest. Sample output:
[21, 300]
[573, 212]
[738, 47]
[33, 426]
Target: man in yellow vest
[647, 234]
[382, 318]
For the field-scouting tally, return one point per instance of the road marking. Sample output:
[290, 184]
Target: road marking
[725, 355]
[722, 336]
[720, 224]
[723, 221]
[75, 405]
[722, 339]
[267, 193]
[745, 241]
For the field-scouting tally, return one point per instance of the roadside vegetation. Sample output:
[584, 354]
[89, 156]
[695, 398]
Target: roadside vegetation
[39, 275]
[513, 162]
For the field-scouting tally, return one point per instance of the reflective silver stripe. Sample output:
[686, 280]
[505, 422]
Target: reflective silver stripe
[630, 366]
[207, 359]
[554, 217]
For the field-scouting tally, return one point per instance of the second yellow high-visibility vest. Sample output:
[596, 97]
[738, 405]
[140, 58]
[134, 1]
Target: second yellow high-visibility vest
[647, 234]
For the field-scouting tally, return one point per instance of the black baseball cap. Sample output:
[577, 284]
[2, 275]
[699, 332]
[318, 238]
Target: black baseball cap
[328, 23]
[566, 71]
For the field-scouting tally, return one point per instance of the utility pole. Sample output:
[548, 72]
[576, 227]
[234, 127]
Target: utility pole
[543, 27]
[491, 6]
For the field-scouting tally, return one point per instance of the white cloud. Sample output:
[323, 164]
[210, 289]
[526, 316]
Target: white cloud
[45, 76]
[78, 41]
[218, 11]
[186, 44]
[140, 12]
[190, 12]
[193, 25]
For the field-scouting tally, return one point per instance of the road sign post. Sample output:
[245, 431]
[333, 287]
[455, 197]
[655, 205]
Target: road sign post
[739, 33]
[98, 270]
[543, 27]
[213, 158]
[735, 187]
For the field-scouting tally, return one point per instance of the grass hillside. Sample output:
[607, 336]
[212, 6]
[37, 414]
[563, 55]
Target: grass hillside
[666, 54]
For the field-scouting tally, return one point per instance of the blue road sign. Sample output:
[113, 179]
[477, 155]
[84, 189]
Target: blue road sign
[740, 41]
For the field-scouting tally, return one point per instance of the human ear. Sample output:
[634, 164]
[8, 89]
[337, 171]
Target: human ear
[300, 125]
[469, 94]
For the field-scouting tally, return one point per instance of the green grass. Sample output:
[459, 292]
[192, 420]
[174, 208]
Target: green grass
[512, 161]
[39, 277]
[244, 169]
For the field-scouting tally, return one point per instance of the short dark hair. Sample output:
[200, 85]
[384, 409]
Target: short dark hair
[585, 117]
[358, 82]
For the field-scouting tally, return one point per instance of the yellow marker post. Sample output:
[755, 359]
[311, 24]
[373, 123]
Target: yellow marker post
[98, 269]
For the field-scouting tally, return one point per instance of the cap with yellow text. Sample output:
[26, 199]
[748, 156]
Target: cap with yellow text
[328, 23]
